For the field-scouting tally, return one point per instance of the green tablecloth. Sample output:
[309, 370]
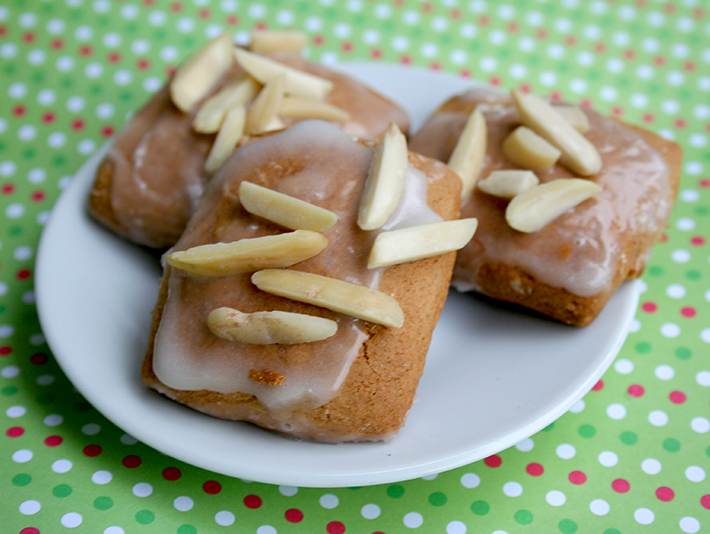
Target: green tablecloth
[633, 456]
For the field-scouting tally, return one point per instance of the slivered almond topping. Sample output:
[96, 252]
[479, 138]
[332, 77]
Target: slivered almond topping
[574, 115]
[531, 210]
[196, 76]
[269, 327]
[285, 210]
[578, 154]
[226, 141]
[417, 242]
[267, 377]
[528, 150]
[223, 259]
[297, 82]
[508, 183]
[467, 158]
[336, 295]
[308, 108]
[236, 92]
[269, 41]
[265, 106]
[385, 181]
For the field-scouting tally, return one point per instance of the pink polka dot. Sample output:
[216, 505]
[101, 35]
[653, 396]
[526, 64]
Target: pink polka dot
[535, 469]
[665, 494]
[636, 391]
[688, 312]
[252, 501]
[705, 501]
[4, 351]
[38, 358]
[677, 397]
[171, 473]
[620, 485]
[697, 240]
[704, 182]
[577, 477]
[293, 515]
[335, 527]
[598, 386]
[15, 432]
[92, 450]
[131, 461]
[212, 487]
[29, 530]
[649, 307]
[493, 461]
[53, 441]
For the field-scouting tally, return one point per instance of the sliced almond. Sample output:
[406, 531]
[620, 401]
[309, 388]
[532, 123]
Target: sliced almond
[269, 327]
[336, 295]
[467, 158]
[578, 154]
[236, 92]
[297, 82]
[528, 150]
[265, 106]
[385, 181]
[417, 242]
[269, 41]
[285, 210]
[531, 210]
[508, 183]
[196, 76]
[574, 115]
[224, 259]
[267, 377]
[308, 108]
[226, 141]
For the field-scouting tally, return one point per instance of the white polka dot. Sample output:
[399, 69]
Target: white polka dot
[555, 498]
[534, 18]
[185, 25]
[28, 297]
[703, 378]
[157, 18]
[413, 520]
[64, 63]
[6, 331]
[62, 466]
[512, 489]
[470, 480]
[83, 33]
[45, 380]
[16, 411]
[288, 491]
[627, 13]
[705, 335]
[382, 11]
[101, 477]
[458, 57]
[477, 6]
[266, 529]
[102, 6]
[624, 366]
[36, 339]
[183, 503]
[430, 477]
[14, 211]
[429, 50]
[86, 146]
[586, 58]
[55, 26]
[644, 516]
[527, 44]
[645, 72]
[578, 406]
[651, 466]
[675, 291]
[681, 256]
[71, 520]
[616, 411]
[488, 63]
[285, 17]
[518, 70]
[599, 507]
[10, 371]
[655, 19]
[411, 17]
[690, 525]
[8, 50]
[129, 11]
[169, 53]
[468, 31]
[566, 451]
[370, 511]
[548, 78]
[697, 140]
[497, 37]
[506, 11]
[701, 111]
[658, 418]
[56, 139]
[30, 507]
[525, 445]
[224, 518]
[695, 473]
[615, 65]
[17, 90]
[123, 77]
[456, 527]
[664, 372]
[670, 330]
[556, 51]
[23, 253]
[127, 439]
[685, 24]
[26, 132]
[22, 456]
[639, 100]
[701, 425]
[608, 459]
[329, 501]
[694, 167]
[53, 420]
[621, 38]
[142, 489]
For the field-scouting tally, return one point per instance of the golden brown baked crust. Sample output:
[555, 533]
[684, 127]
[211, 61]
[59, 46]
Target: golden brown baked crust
[498, 277]
[379, 389]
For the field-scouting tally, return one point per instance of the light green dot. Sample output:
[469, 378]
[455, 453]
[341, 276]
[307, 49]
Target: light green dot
[671, 445]
[643, 347]
[523, 517]
[683, 353]
[62, 490]
[549, 427]
[9, 390]
[437, 499]
[702, 210]
[707, 451]
[103, 503]
[21, 480]
[480, 507]
[567, 526]
[612, 531]
[587, 431]
[186, 529]
[629, 438]
[145, 517]
[395, 491]
[694, 275]
[655, 270]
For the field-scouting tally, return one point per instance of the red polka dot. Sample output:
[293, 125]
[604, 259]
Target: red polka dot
[636, 391]
[335, 527]
[29, 37]
[577, 477]
[620, 485]
[171, 473]
[705, 501]
[38, 359]
[376, 53]
[53, 441]
[85, 50]
[4, 351]
[131, 461]
[77, 124]
[535, 470]
[107, 131]
[347, 47]
[176, 7]
[232, 20]
[212, 487]
[649, 307]
[7, 189]
[142, 64]
[30, 530]
[688, 312]
[704, 182]
[48, 117]
[495, 81]
[677, 397]
[204, 13]
[598, 386]
[293, 515]
[23, 274]
[405, 60]
[37, 196]
[493, 461]
[92, 451]
[252, 501]
[114, 57]
[57, 44]
[697, 241]
[19, 111]
[15, 432]
[665, 494]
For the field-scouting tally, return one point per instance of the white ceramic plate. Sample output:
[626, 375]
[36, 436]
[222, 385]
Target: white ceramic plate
[493, 377]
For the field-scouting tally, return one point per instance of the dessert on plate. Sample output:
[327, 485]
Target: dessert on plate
[569, 202]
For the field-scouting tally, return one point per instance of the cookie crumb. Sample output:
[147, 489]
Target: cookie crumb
[265, 376]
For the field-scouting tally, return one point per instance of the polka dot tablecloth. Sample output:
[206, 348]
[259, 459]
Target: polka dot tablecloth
[632, 456]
